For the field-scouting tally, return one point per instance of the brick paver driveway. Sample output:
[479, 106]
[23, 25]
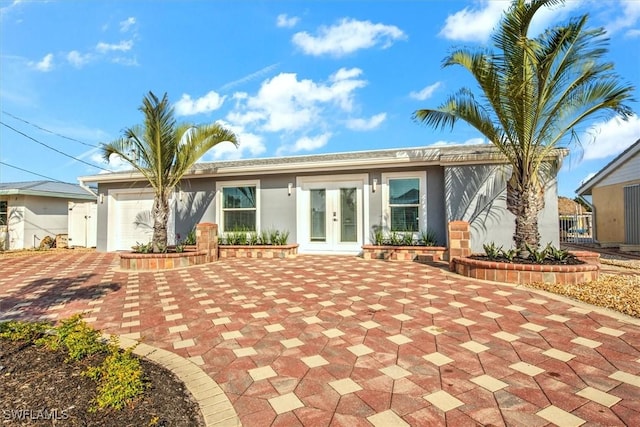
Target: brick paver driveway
[341, 341]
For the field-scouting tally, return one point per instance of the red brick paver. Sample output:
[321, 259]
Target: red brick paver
[328, 340]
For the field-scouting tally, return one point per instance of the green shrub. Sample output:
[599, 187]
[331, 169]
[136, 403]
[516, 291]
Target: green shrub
[253, 238]
[142, 248]
[120, 378]
[377, 235]
[536, 255]
[191, 238]
[427, 238]
[395, 239]
[557, 254]
[510, 254]
[263, 238]
[492, 251]
[77, 338]
[30, 332]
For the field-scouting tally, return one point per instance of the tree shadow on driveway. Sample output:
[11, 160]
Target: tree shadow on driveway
[38, 298]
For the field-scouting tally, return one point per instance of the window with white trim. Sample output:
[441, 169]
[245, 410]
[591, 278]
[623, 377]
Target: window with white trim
[404, 201]
[239, 206]
[4, 213]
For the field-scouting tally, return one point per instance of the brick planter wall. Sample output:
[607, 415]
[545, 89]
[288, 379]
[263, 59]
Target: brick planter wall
[258, 251]
[459, 241]
[525, 273]
[403, 253]
[136, 262]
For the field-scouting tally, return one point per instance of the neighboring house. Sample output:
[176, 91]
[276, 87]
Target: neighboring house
[330, 203]
[615, 195]
[30, 211]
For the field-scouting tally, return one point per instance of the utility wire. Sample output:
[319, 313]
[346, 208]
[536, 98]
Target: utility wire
[33, 173]
[51, 148]
[49, 131]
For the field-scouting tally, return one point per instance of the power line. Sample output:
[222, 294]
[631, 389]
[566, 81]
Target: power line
[33, 173]
[49, 131]
[51, 148]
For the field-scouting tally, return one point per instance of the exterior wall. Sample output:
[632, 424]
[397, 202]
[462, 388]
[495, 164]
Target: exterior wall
[44, 216]
[31, 218]
[609, 211]
[477, 194]
[15, 222]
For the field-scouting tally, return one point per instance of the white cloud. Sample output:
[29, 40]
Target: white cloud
[286, 21]
[248, 144]
[46, 64]
[610, 138]
[127, 24]
[205, 104]
[78, 59]
[285, 103]
[123, 46]
[306, 143]
[477, 24]
[472, 141]
[628, 17]
[426, 92]
[474, 24]
[588, 177]
[632, 34]
[347, 36]
[367, 124]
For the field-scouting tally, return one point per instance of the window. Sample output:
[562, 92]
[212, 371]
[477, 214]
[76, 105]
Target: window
[404, 204]
[404, 196]
[3, 213]
[238, 206]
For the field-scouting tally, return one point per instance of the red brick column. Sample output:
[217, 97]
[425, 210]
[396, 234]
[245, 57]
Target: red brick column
[459, 241]
[207, 240]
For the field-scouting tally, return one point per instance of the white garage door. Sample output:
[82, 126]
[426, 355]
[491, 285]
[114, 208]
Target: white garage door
[133, 222]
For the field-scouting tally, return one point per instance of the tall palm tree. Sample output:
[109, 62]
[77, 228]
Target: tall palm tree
[163, 152]
[534, 92]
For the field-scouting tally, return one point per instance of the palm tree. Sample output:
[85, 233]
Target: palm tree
[163, 152]
[534, 92]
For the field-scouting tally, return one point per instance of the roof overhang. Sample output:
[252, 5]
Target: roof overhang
[27, 192]
[397, 158]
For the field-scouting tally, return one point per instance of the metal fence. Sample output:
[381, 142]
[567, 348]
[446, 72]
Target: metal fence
[576, 228]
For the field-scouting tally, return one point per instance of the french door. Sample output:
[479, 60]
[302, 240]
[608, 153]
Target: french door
[330, 216]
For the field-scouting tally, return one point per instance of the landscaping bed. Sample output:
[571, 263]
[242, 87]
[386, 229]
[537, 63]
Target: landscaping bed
[37, 382]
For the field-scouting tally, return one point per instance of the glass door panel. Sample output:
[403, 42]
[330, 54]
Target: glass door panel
[348, 215]
[318, 213]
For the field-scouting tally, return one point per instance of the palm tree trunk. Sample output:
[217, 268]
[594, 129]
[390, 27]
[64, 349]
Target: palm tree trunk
[160, 217]
[525, 201]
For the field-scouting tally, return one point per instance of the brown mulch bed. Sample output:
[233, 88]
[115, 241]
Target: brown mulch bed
[37, 387]
[568, 261]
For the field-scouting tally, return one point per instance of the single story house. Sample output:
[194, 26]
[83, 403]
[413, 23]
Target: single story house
[329, 203]
[30, 211]
[615, 196]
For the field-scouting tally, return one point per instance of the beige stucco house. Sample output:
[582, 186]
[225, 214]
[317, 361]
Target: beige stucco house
[615, 195]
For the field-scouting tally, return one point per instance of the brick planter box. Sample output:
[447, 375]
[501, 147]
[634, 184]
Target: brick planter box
[527, 273]
[403, 253]
[258, 251]
[136, 262]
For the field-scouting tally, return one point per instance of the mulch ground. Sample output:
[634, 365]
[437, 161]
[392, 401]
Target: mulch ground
[37, 387]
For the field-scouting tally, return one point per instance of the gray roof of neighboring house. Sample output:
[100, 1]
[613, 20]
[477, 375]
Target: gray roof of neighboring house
[46, 189]
[586, 187]
[397, 157]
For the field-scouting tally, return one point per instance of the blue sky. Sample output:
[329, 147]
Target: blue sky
[290, 77]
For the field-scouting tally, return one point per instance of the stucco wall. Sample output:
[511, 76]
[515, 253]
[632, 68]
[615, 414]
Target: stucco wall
[477, 194]
[31, 218]
[609, 211]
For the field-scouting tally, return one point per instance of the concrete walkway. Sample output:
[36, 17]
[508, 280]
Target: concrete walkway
[341, 341]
